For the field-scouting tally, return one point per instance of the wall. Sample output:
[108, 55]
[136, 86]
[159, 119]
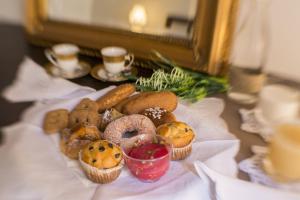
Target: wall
[283, 58]
[12, 11]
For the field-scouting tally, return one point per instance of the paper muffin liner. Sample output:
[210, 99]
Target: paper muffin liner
[182, 152]
[101, 175]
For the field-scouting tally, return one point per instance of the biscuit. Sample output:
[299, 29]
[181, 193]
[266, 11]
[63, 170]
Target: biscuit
[159, 116]
[165, 100]
[115, 96]
[84, 117]
[87, 104]
[56, 120]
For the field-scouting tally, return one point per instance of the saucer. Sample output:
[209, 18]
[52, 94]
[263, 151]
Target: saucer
[84, 69]
[103, 75]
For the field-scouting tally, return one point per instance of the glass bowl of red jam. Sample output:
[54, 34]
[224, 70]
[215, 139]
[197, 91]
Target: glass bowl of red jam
[147, 156]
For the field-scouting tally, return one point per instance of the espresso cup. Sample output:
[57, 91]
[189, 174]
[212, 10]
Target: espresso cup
[279, 103]
[282, 161]
[114, 59]
[64, 56]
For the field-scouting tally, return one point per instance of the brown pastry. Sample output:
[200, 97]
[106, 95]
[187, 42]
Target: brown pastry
[84, 117]
[158, 115]
[120, 105]
[56, 120]
[166, 100]
[115, 96]
[87, 104]
[108, 116]
[73, 140]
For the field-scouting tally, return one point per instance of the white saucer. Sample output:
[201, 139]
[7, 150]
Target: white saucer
[98, 72]
[83, 69]
[266, 122]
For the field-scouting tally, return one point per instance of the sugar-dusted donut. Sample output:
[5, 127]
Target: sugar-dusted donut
[127, 126]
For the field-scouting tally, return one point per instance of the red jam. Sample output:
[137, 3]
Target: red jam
[149, 161]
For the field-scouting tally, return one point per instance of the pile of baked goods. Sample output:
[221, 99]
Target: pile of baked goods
[93, 130]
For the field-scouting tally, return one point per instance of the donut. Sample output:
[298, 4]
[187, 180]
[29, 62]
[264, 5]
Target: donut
[114, 96]
[127, 126]
[165, 100]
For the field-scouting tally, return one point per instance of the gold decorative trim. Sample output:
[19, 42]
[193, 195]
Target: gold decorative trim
[113, 59]
[207, 51]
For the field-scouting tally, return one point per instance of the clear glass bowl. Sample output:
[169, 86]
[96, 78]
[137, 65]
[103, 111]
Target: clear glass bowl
[146, 170]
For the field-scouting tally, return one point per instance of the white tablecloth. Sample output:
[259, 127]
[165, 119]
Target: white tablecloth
[32, 166]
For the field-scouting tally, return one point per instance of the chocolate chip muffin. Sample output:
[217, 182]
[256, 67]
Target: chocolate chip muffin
[101, 161]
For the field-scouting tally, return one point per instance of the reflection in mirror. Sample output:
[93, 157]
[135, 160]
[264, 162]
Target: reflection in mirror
[172, 18]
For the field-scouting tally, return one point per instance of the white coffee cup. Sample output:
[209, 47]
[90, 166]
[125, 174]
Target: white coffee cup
[279, 103]
[64, 56]
[114, 59]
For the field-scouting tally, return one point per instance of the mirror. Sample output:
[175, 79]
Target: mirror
[196, 34]
[172, 18]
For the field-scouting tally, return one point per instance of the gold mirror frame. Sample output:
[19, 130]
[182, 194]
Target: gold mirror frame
[207, 51]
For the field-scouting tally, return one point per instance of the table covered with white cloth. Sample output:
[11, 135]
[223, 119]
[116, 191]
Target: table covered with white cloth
[32, 166]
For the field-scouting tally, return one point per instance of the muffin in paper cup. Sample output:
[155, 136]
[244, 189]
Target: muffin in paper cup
[111, 168]
[182, 152]
[180, 136]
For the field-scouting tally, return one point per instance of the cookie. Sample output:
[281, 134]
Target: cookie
[159, 116]
[115, 96]
[56, 120]
[165, 100]
[87, 104]
[84, 117]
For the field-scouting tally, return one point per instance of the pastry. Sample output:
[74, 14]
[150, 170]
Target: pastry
[180, 135]
[108, 116]
[73, 140]
[166, 100]
[101, 161]
[120, 105]
[158, 115]
[87, 104]
[84, 117]
[56, 120]
[115, 96]
[128, 126]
